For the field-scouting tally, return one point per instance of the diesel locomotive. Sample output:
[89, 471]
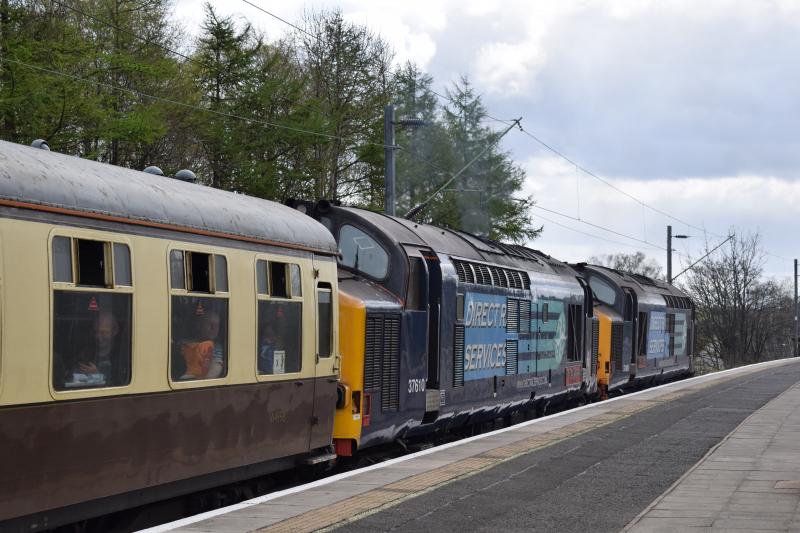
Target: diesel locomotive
[159, 337]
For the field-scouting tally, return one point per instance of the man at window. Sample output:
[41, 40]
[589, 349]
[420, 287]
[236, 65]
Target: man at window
[102, 361]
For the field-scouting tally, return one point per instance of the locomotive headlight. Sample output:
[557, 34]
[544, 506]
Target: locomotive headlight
[342, 396]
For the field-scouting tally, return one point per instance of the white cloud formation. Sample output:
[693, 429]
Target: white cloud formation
[742, 203]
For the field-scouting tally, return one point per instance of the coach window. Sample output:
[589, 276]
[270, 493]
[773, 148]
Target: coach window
[325, 319]
[92, 313]
[199, 322]
[280, 316]
[362, 253]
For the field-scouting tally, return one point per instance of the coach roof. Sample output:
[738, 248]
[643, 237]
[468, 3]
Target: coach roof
[50, 181]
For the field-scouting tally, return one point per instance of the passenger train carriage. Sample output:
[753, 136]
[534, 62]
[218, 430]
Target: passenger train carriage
[450, 329]
[158, 337]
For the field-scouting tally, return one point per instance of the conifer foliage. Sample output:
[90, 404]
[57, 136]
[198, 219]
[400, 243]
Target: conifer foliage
[297, 116]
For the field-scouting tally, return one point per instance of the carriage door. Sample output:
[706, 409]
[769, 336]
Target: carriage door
[628, 355]
[591, 332]
[434, 308]
[326, 359]
[535, 329]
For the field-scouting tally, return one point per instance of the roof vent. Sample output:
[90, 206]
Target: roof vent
[186, 175]
[41, 144]
[154, 170]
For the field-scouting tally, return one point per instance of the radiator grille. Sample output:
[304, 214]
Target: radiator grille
[512, 315]
[382, 359]
[495, 276]
[390, 378]
[372, 353]
[616, 345]
[511, 357]
[524, 316]
[458, 357]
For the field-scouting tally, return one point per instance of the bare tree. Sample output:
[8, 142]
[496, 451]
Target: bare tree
[637, 263]
[741, 318]
[348, 69]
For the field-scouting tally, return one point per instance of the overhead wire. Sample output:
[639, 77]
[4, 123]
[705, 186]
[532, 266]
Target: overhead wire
[598, 226]
[577, 166]
[592, 235]
[273, 15]
[580, 167]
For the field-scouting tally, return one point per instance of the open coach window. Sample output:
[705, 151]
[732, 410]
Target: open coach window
[199, 323]
[280, 316]
[92, 313]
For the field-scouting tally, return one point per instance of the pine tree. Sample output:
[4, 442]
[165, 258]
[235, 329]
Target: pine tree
[223, 66]
[426, 157]
[483, 199]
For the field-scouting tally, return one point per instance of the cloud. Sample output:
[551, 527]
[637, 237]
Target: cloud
[744, 203]
[668, 92]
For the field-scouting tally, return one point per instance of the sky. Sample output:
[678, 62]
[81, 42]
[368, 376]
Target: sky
[692, 108]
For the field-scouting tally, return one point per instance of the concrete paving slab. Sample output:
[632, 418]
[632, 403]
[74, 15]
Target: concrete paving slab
[751, 461]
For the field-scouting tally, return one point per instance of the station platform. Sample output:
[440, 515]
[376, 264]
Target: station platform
[713, 453]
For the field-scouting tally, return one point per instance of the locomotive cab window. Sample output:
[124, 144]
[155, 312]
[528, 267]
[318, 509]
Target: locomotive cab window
[199, 315]
[362, 253]
[280, 315]
[92, 288]
[603, 291]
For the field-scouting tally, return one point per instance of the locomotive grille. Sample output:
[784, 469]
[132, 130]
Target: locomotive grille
[524, 316]
[491, 275]
[458, 357]
[390, 378]
[372, 349]
[595, 345]
[511, 357]
[382, 359]
[512, 315]
[616, 345]
[484, 277]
